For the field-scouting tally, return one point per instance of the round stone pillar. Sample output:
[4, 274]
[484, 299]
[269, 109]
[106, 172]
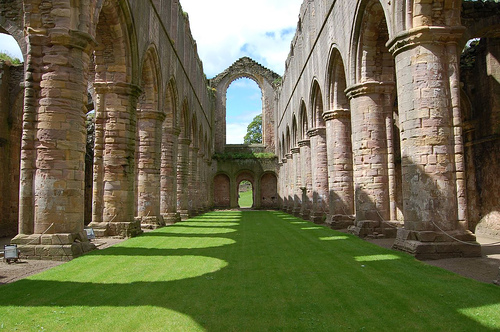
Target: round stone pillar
[53, 146]
[296, 178]
[113, 209]
[284, 175]
[290, 182]
[168, 176]
[306, 178]
[193, 178]
[431, 146]
[182, 178]
[340, 168]
[370, 152]
[319, 167]
[148, 169]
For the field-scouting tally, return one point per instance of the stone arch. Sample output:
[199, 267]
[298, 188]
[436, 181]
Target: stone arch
[371, 97]
[295, 131]
[148, 147]
[269, 191]
[183, 160]
[222, 193]
[169, 155]
[265, 79]
[246, 175]
[304, 123]
[319, 160]
[340, 163]
[115, 75]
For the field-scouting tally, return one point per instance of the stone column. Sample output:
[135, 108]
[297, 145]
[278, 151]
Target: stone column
[319, 167]
[306, 176]
[193, 181]
[148, 168]
[340, 168]
[168, 176]
[428, 82]
[53, 145]
[297, 192]
[369, 139]
[284, 167]
[290, 182]
[281, 177]
[113, 215]
[182, 178]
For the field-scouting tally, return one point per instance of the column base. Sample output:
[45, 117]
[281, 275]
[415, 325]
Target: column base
[151, 222]
[317, 218]
[56, 247]
[373, 228]
[436, 245]
[305, 214]
[184, 214]
[121, 229]
[296, 211]
[340, 221]
[171, 218]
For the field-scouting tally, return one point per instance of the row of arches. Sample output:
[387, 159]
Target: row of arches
[370, 134]
[153, 121]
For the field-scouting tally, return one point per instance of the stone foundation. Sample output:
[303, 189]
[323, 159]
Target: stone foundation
[171, 218]
[372, 228]
[122, 229]
[340, 221]
[436, 245]
[56, 247]
[151, 222]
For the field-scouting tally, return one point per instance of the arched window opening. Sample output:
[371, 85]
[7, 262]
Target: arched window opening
[243, 112]
[10, 49]
[245, 194]
[11, 113]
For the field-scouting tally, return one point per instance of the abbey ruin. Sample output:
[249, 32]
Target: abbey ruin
[386, 121]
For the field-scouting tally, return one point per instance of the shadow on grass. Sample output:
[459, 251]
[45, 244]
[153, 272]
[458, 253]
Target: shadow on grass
[268, 274]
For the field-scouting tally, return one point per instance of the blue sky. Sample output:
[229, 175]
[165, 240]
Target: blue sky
[226, 30]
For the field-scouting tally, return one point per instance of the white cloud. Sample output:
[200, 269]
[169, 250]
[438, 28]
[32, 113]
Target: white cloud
[226, 30]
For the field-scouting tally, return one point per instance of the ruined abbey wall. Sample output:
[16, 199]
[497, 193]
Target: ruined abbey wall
[376, 123]
[371, 126]
[138, 62]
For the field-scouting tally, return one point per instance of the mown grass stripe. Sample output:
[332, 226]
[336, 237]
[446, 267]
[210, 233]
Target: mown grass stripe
[248, 271]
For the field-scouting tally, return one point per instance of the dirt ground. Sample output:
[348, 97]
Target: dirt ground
[485, 268]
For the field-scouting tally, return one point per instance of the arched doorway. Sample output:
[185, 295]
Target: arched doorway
[245, 194]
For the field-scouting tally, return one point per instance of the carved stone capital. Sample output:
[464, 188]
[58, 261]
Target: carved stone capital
[424, 35]
[121, 88]
[149, 114]
[336, 114]
[371, 87]
[316, 132]
[295, 150]
[184, 141]
[304, 143]
[289, 156]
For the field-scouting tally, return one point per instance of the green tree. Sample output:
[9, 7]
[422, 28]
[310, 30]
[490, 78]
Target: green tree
[8, 57]
[254, 131]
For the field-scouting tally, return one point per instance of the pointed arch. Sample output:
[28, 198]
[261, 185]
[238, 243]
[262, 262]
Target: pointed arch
[317, 106]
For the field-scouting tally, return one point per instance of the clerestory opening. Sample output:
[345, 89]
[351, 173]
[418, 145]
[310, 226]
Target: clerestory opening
[244, 112]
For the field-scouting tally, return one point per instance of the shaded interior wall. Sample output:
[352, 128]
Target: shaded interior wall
[222, 197]
[11, 98]
[269, 191]
[481, 112]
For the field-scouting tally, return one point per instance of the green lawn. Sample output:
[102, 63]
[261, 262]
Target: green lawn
[248, 271]
[246, 199]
